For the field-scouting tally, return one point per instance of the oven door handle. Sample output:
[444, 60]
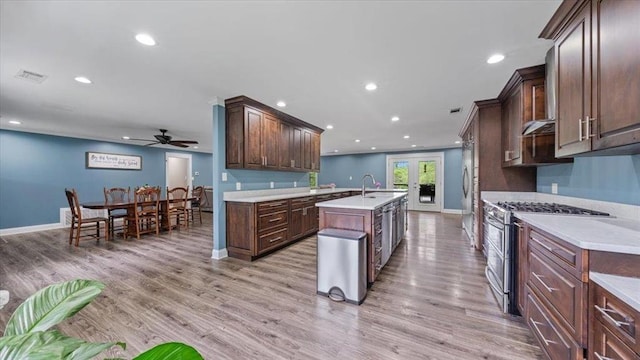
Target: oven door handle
[494, 223]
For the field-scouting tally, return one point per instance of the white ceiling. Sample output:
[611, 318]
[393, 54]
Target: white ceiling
[426, 58]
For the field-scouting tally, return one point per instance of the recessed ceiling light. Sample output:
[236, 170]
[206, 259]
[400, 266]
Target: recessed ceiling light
[496, 58]
[357, 140]
[14, 122]
[145, 39]
[373, 148]
[82, 79]
[406, 136]
[395, 118]
[414, 145]
[371, 86]
[336, 150]
[125, 138]
[329, 127]
[457, 142]
[281, 104]
[195, 147]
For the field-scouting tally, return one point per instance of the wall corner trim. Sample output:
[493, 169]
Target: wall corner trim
[32, 228]
[452, 211]
[219, 254]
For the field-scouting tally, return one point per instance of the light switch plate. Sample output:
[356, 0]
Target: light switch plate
[238, 186]
[554, 188]
[295, 184]
[271, 184]
[224, 176]
[350, 178]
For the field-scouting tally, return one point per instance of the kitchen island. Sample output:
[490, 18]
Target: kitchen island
[381, 215]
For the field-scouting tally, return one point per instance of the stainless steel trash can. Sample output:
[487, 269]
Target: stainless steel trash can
[342, 265]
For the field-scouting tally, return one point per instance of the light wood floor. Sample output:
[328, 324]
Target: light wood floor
[431, 301]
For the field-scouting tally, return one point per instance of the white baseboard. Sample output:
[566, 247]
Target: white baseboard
[219, 254]
[452, 211]
[28, 229]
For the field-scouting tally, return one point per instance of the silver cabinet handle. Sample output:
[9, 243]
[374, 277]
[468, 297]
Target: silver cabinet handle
[547, 247]
[549, 289]
[589, 134]
[605, 312]
[580, 129]
[276, 239]
[600, 357]
[274, 220]
[535, 325]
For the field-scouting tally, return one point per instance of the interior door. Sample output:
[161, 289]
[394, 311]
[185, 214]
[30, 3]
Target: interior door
[178, 170]
[421, 176]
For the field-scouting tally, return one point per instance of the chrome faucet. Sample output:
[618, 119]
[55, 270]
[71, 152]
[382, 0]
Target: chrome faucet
[372, 180]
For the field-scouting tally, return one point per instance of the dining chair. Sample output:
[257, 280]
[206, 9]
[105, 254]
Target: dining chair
[117, 195]
[83, 227]
[146, 212]
[197, 193]
[177, 206]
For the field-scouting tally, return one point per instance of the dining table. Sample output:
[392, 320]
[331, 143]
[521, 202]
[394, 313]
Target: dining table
[129, 206]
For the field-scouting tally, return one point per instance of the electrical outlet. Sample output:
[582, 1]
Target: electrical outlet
[350, 178]
[554, 188]
[197, 173]
[295, 184]
[238, 186]
[271, 184]
[224, 176]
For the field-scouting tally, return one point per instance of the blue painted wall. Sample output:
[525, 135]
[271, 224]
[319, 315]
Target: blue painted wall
[337, 169]
[35, 169]
[606, 178]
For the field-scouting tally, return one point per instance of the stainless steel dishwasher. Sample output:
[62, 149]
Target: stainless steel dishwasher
[388, 231]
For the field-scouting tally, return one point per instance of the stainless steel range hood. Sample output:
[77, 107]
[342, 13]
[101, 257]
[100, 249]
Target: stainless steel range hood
[546, 126]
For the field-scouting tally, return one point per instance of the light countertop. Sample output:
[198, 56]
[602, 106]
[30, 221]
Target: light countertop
[590, 232]
[625, 288]
[253, 196]
[371, 201]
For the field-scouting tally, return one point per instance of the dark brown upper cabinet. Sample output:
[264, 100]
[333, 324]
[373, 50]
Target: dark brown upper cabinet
[523, 100]
[598, 76]
[259, 137]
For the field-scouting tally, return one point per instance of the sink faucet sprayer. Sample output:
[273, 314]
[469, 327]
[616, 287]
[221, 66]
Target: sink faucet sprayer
[372, 180]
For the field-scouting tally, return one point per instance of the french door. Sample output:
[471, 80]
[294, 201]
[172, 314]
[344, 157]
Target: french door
[421, 175]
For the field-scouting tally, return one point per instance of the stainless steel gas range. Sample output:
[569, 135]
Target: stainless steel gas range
[500, 244]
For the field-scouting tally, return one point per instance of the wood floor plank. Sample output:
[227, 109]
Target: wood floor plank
[431, 301]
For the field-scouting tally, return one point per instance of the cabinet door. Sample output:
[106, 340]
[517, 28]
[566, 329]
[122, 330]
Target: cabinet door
[512, 127]
[616, 71]
[253, 138]
[296, 151]
[270, 140]
[296, 229]
[523, 267]
[315, 151]
[573, 60]
[234, 135]
[306, 150]
[285, 146]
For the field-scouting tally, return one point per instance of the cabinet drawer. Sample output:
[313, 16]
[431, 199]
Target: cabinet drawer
[305, 201]
[272, 219]
[323, 198]
[562, 291]
[271, 239]
[568, 256]
[607, 346]
[265, 207]
[553, 339]
[618, 317]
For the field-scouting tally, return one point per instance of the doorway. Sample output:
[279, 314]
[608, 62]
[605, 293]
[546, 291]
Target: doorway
[421, 175]
[178, 170]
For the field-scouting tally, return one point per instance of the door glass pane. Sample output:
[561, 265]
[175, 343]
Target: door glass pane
[427, 181]
[401, 175]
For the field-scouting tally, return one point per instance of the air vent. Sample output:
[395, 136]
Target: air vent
[455, 110]
[31, 76]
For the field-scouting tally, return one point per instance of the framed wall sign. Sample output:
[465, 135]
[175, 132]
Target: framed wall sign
[96, 160]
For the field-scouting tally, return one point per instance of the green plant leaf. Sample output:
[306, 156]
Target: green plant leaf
[170, 351]
[50, 305]
[49, 345]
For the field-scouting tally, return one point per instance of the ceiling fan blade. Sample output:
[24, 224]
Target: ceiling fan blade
[153, 143]
[178, 144]
[184, 141]
[141, 139]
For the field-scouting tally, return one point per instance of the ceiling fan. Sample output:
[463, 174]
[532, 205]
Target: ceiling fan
[166, 140]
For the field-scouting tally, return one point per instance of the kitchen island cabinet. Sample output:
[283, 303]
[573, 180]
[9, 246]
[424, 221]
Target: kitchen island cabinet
[365, 214]
[598, 77]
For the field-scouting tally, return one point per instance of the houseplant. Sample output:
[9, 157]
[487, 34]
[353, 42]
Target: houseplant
[28, 333]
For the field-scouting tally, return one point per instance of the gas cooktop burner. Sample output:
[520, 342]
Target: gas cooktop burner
[552, 208]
